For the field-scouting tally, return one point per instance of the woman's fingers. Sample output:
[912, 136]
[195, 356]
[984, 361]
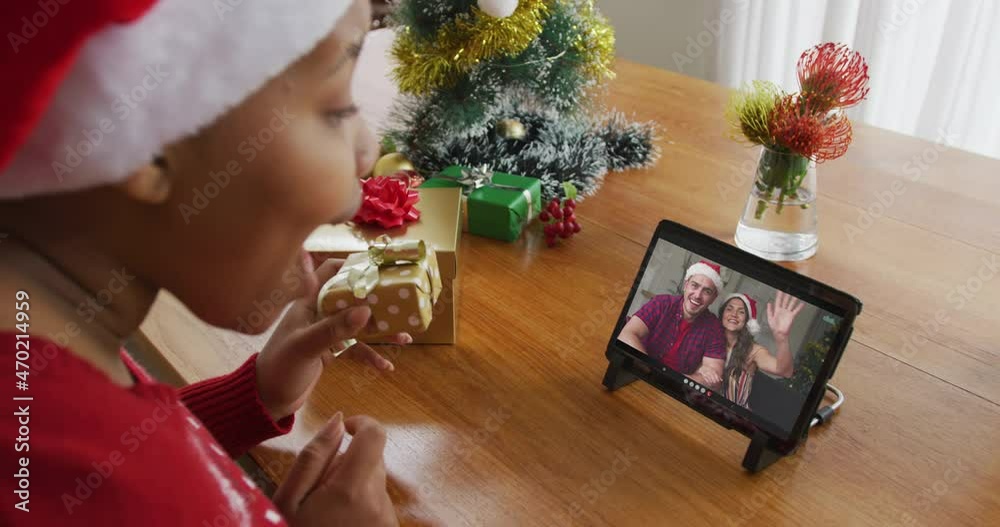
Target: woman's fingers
[319, 336]
[328, 269]
[310, 466]
[353, 489]
[362, 352]
[314, 280]
[363, 459]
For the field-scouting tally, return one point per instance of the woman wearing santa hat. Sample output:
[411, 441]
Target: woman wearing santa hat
[121, 175]
[744, 356]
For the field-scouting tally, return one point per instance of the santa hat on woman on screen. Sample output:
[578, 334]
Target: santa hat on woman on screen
[751, 307]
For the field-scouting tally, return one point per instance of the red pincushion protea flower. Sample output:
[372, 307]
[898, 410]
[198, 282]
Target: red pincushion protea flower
[799, 126]
[387, 202]
[833, 76]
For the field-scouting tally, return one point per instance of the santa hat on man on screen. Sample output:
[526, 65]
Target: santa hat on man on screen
[709, 270]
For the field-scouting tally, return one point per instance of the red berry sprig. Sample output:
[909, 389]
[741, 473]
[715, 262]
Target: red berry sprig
[559, 218]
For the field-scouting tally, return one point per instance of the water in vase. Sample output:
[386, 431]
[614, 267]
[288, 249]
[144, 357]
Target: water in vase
[780, 229]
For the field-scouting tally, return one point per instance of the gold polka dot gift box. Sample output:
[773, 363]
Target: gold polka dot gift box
[398, 279]
[440, 228]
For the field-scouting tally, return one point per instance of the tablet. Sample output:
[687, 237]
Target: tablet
[740, 339]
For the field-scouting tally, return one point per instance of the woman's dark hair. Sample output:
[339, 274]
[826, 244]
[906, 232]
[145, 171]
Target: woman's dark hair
[741, 350]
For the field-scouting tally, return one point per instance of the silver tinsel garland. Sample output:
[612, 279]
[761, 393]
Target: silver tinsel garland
[557, 148]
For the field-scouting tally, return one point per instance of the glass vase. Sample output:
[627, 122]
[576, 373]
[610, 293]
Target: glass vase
[780, 222]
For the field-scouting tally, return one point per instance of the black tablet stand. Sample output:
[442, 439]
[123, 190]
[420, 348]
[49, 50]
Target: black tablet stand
[618, 374]
[760, 454]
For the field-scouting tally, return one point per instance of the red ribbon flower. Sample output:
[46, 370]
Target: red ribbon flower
[387, 202]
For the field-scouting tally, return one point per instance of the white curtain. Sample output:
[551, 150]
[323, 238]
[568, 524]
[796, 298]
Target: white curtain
[934, 64]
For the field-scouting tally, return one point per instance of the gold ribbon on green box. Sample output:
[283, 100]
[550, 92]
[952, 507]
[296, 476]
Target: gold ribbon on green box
[399, 280]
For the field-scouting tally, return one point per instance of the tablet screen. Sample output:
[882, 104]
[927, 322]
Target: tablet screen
[740, 342]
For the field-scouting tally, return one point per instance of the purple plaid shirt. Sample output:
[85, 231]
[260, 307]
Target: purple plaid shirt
[706, 338]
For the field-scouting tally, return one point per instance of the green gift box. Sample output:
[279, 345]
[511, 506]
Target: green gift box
[496, 205]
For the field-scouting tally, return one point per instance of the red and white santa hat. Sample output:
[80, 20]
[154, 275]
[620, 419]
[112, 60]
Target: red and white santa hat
[751, 306]
[94, 89]
[708, 269]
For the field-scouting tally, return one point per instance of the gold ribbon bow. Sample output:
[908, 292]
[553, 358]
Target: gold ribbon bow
[362, 277]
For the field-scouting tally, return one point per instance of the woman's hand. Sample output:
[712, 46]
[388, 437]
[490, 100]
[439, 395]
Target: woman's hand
[300, 347]
[781, 314]
[324, 488]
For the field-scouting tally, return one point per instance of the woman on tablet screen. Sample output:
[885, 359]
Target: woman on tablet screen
[743, 354]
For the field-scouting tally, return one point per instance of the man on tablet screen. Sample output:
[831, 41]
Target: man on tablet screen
[679, 330]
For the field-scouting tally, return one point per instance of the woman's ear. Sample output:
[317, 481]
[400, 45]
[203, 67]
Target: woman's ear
[149, 183]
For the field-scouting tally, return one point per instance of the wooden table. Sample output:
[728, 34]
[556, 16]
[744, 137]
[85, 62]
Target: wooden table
[511, 426]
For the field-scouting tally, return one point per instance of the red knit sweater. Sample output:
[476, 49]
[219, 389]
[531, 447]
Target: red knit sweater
[98, 454]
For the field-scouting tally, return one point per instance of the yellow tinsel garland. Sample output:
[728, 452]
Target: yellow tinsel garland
[423, 66]
[596, 44]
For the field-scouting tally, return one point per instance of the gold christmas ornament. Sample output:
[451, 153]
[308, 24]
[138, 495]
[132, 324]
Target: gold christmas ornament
[389, 164]
[511, 129]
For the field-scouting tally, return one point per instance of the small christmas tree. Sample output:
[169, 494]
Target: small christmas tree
[508, 85]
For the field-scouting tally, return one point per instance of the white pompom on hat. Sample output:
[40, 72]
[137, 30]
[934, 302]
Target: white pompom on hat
[752, 325]
[498, 8]
[96, 89]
